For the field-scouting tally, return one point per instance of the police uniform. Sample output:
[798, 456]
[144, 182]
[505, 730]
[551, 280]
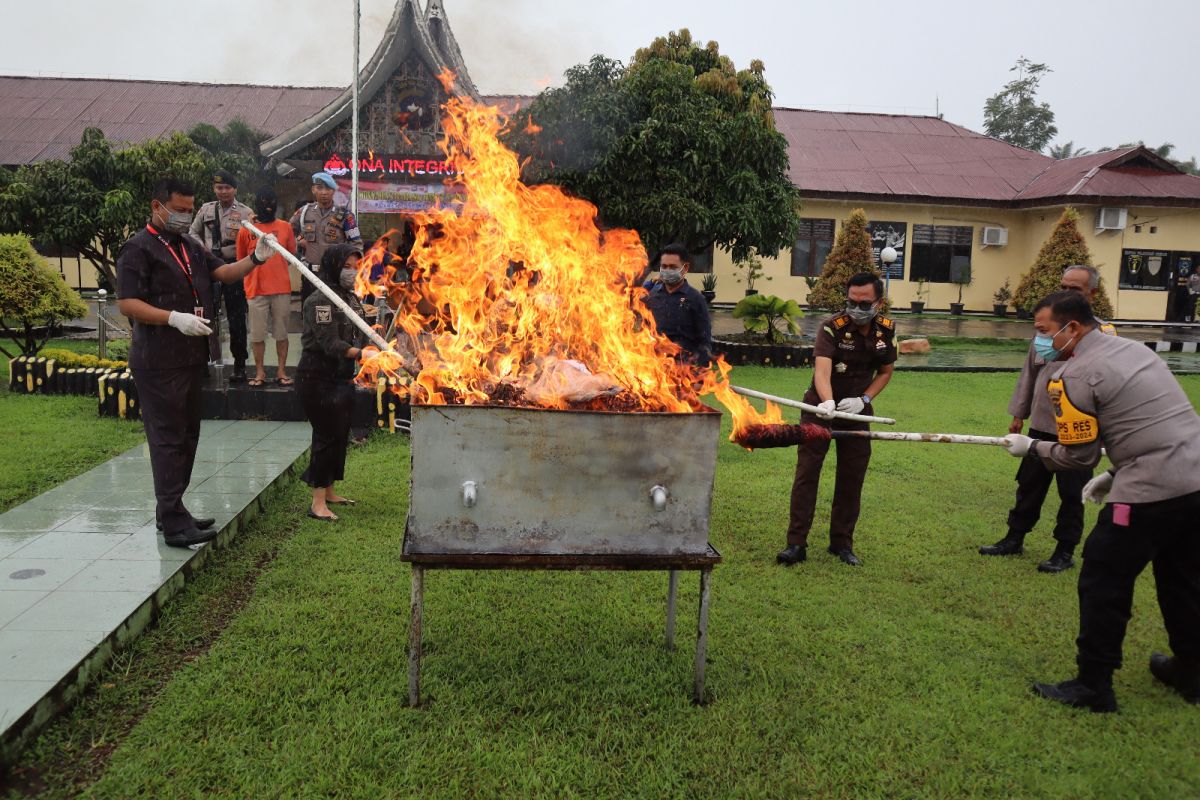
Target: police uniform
[324, 383]
[682, 316]
[216, 227]
[318, 228]
[1117, 394]
[856, 358]
[174, 273]
[1030, 401]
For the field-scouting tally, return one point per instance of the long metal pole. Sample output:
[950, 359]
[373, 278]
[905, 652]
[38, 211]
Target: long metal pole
[783, 401]
[898, 436]
[354, 120]
[358, 321]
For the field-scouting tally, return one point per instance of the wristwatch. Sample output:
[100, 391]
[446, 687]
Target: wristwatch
[866, 398]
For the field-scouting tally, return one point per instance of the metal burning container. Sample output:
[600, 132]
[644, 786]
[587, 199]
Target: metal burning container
[522, 481]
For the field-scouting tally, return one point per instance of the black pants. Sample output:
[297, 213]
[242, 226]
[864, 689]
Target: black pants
[329, 406]
[1033, 484]
[236, 309]
[170, 401]
[1165, 534]
[853, 458]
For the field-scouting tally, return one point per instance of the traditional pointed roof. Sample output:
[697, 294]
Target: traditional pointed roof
[411, 32]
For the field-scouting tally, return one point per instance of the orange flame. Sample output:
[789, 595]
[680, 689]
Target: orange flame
[520, 295]
[532, 128]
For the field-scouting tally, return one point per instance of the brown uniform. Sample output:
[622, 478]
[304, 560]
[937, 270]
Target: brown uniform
[856, 361]
[317, 228]
[216, 227]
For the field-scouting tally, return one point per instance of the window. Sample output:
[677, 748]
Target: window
[935, 248]
[702, 262]
[1145, 269]
[812, 246]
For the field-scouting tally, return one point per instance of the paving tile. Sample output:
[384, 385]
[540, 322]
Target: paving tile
[215, 504]
[291, 432]
[12, 541]
[214, 425]
[70, 544]
[122, 576]
[252, 470]
[148, 545]
[64, 497]
[220, 454]
[231, 484]
[17, 697]
[38, 574]
[64, 610]
[110, 484]
[251, 427]
[277, 458]
[46, 519]
[14, 604]
[127, 501]
[43, 655]
[105, 521]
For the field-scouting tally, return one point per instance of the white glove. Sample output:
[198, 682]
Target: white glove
[1095, 490]
[263, 250]
[851, 405]
[825, 410]
[1018, 444]
[189, 324]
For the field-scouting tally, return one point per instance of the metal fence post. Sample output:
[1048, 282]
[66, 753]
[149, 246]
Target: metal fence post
[101, 323]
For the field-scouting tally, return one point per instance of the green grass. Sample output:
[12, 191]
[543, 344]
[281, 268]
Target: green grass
[44, 440]
[906, 678]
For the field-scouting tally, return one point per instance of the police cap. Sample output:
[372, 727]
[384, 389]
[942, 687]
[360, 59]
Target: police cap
[324, 178]
[224, 176]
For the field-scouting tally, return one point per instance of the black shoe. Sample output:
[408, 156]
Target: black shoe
[1076, 694]
[1169, 671]
[239, 372]
[1060, 561]
[188, 537]
[792, 554]
[1008, 546]
[203, 523]
[847, 556]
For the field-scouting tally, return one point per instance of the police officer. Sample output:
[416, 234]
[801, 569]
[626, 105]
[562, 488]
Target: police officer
[319, 224]
[216, 227]
[680, 311]
[332, 345]
[855, 352]
[165, 285]
[1117, 394]
[1029, 401]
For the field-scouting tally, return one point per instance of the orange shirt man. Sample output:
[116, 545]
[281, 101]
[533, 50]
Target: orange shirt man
[269, 288]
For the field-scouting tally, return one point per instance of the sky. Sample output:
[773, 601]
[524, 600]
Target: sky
[1121, 72]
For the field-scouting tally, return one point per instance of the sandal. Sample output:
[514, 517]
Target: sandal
[345, 501]
[255, 382]
[315, 515]
[285, 381]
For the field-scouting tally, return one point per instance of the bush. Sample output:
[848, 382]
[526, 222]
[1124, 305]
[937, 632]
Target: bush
[65, 359]
[851, 254]
[768, 315]
[32, 295]
[1063, 248]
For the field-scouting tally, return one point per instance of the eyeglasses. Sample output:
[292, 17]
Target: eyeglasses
[861, 305]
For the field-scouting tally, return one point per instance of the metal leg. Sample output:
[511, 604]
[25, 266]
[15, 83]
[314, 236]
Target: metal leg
[672, 588]
[702, 636]
[415, 623]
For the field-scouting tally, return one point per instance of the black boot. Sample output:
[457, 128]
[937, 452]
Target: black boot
[1061, 560]
[1182, 675]
[239, 372]
[792, 554]
[1011, 545]
[1077, 694]
[189, 537]
[201, 523]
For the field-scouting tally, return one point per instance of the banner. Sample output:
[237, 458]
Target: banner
[387, 197]
[889, 234]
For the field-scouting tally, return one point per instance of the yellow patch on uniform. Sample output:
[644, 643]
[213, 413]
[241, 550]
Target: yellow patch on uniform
[1074, 425]
[1108, 328]
[827, 329]
[840, 322]
[885, 322]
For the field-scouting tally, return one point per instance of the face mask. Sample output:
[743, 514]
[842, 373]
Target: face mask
[861, 316]
[1044, 346]
[346, 279]
[178, 222]
[265, 212]
[670, 276]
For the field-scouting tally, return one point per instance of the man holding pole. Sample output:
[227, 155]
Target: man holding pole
[1117, 394]
[855, 353]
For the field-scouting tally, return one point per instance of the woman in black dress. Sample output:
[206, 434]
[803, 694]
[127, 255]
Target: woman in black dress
[324, 378]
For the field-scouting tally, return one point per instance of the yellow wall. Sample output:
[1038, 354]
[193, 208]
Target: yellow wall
[1178, 229]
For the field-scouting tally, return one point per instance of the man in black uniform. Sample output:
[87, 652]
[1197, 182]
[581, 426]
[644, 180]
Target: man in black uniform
[855, 351]
[680, 311]
[165, 286]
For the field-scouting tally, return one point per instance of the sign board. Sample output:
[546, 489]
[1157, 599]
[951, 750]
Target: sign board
[889, 234]
[1146, 270]
[409, 169]
[398, 197]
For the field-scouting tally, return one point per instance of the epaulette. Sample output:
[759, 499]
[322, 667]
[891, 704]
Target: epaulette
[887, 323]
[841, 321]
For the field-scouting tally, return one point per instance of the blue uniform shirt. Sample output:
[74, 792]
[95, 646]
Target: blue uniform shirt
[682, 316]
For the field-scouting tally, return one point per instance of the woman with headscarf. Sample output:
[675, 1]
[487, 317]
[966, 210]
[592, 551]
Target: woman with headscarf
[331, 347]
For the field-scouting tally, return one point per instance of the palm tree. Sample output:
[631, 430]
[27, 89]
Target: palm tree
[1067, 150]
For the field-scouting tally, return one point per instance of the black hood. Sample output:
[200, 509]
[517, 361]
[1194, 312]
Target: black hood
[265, 204]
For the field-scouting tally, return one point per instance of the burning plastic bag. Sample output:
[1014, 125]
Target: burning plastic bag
[567, 380]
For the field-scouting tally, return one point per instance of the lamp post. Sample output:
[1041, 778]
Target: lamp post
[888, 256]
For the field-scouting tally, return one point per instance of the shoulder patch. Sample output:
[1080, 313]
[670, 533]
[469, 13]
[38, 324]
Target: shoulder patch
[827, 329]
[324, 315]
[841, 321]
[887, 323]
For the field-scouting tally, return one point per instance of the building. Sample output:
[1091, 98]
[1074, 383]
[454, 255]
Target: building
[946, 197]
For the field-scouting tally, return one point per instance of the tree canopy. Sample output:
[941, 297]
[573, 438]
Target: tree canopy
[680, 146]
[33, 296]
[1014, 114]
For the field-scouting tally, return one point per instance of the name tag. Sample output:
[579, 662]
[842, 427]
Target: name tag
[199, 311]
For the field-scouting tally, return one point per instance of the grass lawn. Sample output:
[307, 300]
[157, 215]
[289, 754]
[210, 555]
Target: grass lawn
[44, 440]
[906, 678]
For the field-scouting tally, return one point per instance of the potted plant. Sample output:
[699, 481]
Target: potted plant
[918, 305]
[751, 270]
[771, 333]
[1001, 299]
[960, 275]
[709, 287]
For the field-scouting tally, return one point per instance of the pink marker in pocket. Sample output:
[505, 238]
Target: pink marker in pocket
[1121, 514]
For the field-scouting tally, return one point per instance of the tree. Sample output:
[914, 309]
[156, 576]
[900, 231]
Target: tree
[680, 146]
[1163, 151]
[1067, 150]
[93, 202]
[1063, 248]
[33, 297]
[851, 254]
[1014, 115]
[236, 149]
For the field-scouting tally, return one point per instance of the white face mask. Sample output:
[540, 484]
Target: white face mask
[346, 279]
[670, 276]
[177, 222]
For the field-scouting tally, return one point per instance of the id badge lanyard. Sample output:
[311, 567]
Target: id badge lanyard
[185, 266]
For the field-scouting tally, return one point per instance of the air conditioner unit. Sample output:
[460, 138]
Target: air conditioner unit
[995, 237]
[1111, 219]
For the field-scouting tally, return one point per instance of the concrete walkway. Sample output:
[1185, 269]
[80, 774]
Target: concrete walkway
[83, 570]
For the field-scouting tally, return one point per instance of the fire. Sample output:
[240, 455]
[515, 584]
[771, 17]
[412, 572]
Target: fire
[520, 299]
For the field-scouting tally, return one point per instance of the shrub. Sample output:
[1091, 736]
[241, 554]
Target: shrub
[768, 315]
[65, 359]
[1064, 247]
[851, 254]
[33, 297]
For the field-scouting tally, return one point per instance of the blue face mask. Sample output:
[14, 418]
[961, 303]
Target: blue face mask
[1044, 346]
